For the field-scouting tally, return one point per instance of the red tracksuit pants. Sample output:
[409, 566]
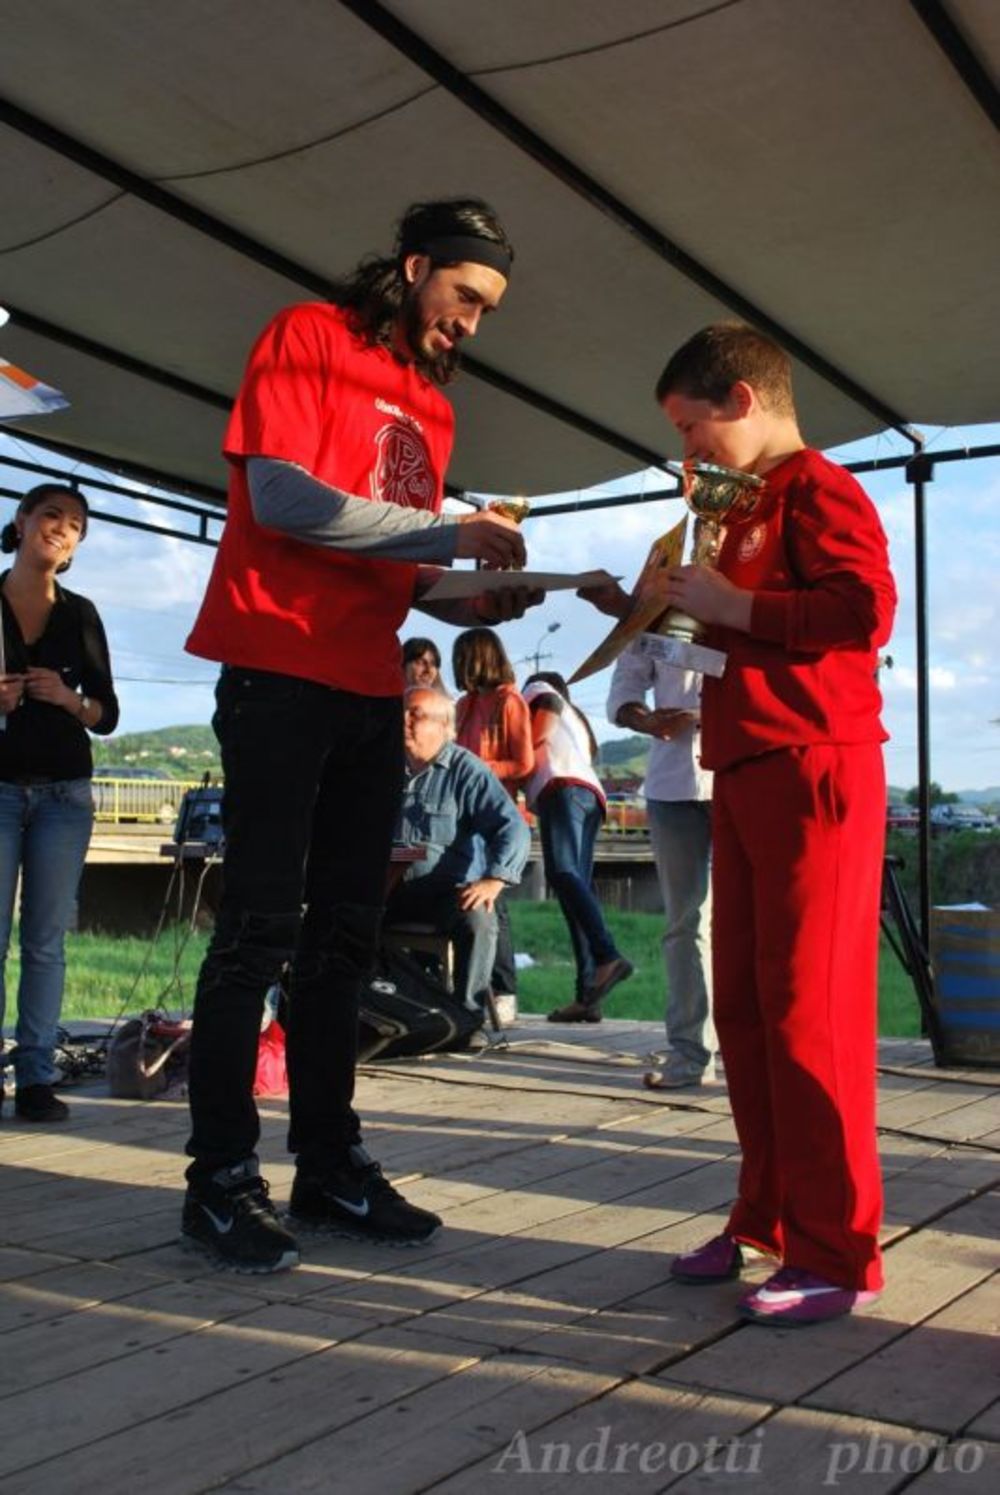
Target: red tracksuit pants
[798, 839]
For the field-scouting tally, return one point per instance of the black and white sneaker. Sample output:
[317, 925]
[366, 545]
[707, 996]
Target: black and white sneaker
[230, 1217]
[352, 1197]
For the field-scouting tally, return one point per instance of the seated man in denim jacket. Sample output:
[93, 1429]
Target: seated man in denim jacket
[476, 842]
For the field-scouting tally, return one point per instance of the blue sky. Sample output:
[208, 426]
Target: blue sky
[148, 588]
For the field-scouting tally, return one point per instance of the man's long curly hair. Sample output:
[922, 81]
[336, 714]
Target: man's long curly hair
[376, 294]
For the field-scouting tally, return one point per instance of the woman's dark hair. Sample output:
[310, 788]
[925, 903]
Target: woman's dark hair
[479, 661]
[9, 537]
[416, 648]
[559, 686]
[375, 294]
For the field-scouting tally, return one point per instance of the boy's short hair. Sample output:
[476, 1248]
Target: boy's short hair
[717, 357]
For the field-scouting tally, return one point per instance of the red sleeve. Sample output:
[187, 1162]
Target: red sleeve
[281, 410]
[838, 549]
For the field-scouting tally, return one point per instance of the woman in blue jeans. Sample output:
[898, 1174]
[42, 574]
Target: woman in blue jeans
[568, 799]
[55, 687]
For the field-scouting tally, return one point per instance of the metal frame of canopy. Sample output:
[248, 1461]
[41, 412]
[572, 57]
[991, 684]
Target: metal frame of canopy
[377, 18]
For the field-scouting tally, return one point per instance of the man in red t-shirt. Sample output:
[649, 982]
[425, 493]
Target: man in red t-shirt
[337, 446]
[801, 601]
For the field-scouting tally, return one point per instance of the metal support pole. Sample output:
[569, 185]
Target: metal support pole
[920, 472]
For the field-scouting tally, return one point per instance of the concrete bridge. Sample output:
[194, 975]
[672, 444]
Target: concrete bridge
[127, 874]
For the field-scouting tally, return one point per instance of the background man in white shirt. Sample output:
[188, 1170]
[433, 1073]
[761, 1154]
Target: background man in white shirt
[678, 800]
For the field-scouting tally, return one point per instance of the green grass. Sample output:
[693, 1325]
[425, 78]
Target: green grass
[102, 971]
[539, 929]
[103, 974]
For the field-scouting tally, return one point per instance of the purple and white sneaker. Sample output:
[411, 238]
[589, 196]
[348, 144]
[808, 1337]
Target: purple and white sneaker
[794, 1298]
[718, 1260]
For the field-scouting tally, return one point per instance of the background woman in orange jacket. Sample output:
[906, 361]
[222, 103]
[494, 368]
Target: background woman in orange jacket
[492, 720]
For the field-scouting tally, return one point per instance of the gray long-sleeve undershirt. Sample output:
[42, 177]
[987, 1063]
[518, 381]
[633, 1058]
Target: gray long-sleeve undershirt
[285, 497]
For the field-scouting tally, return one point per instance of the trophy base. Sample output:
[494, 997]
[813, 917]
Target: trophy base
[682, 654]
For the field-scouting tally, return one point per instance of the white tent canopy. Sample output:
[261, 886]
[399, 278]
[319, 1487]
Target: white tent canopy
[170, 175]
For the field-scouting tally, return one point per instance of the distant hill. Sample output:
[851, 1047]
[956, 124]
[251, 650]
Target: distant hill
[624, 757]
[187, 752]
[183, 752]
[984, 797]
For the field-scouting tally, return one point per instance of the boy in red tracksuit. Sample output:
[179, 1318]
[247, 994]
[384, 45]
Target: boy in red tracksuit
[802, 599]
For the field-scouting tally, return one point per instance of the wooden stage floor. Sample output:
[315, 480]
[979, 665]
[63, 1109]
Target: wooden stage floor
[538, 1337]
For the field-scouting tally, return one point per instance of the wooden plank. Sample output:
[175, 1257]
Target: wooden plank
[905, 1052]
[185, 1373]
[632, 1341]
[109, 1330]
[940, 1375]
[913, 1199]
[987, 1424]
[548, 1287]
[802, 1451]
[22, 1261]
[969, 1123]
[251, 1392]
[66, 1289]
[425, 1437]
[915, 1112]
[966, 1167]
[637, 1437]
[966, 1466]
[55, 1151]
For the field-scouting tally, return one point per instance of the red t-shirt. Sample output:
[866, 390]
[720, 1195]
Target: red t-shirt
[815, 554]
[354, 417]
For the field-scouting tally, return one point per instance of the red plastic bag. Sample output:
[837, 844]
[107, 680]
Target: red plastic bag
[271, 1077]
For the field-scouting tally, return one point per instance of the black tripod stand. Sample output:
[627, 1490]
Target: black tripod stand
[900, 928]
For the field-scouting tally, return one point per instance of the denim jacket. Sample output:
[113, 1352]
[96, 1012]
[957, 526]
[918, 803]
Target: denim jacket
[457, 809]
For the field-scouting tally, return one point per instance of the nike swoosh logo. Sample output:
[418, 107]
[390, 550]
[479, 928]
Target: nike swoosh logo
[793, 1295]
[222, 1226]
[360, 1210]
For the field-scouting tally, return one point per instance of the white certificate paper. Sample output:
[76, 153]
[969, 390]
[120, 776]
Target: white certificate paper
[455, 584]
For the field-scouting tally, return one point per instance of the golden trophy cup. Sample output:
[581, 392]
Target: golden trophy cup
[716, 496]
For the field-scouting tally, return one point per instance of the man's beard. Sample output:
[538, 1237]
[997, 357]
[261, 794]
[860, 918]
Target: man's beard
[438, 367]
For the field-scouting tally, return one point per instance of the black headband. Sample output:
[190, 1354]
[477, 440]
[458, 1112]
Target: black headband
[456, 249]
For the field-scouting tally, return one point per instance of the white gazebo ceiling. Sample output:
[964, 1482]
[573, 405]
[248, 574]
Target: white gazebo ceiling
[170, 175]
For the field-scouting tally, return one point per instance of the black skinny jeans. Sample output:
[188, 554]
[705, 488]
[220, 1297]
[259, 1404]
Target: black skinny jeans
[313, 787]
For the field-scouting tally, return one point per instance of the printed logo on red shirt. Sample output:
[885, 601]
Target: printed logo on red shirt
[752, 543]
[402, 473]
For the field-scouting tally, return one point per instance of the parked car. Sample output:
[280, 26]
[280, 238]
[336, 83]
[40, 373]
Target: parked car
[961, 818]
[133, 793]
[902, 818]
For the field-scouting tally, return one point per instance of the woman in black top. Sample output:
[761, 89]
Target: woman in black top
[55, 686]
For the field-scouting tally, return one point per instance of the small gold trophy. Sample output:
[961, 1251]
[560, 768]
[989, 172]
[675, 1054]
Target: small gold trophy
[715, 495]
[516, 508]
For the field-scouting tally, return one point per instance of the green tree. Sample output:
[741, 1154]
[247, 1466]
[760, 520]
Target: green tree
[938, 795]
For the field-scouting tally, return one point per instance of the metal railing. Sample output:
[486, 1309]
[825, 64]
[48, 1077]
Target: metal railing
[153, 801]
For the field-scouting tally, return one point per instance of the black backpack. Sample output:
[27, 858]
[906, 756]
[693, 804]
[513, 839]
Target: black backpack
[406, 1010]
